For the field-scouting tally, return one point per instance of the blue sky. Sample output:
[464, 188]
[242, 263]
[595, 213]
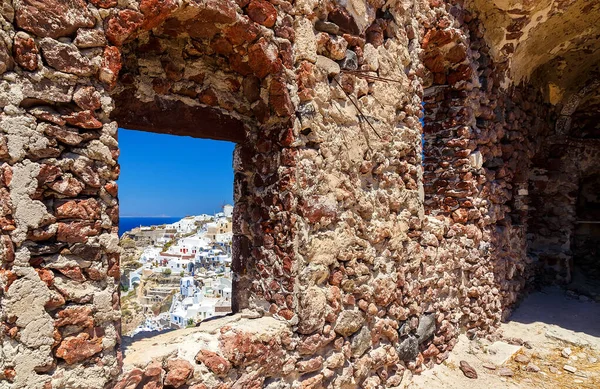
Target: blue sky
[168, 175]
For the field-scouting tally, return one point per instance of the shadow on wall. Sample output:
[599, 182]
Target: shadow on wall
[553, 306]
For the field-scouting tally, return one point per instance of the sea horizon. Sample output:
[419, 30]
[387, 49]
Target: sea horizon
[132, 222]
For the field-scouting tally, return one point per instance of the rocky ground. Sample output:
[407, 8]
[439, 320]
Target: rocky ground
[551, 341]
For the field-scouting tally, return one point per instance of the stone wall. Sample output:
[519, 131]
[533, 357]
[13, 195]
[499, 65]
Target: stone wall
[360, 252]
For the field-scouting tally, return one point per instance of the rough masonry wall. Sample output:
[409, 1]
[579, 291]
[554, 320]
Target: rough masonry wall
[59, 313]
[356, 260]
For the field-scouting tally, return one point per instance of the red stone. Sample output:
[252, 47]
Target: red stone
[156, 11]
[131, 380]
[111, 66]
[242, 32]
[83, 119]
[222, 46]
[46, 275]
[216, 363]
[217, 11]
[25, 51]
[104, 3]
[208, 97]
[68, 186]
[73, 272]
[457, 53]
[114, 269]
[262, 12]
[434, 62]
[56, 300]
[9, 277]
[306, 80]
[87, 98]
[438, 38]
[78, 209]
[462, 73]
[75, 316]
[112, 188]
[161, 86]
[67, 136]
[53, 18]
[121, 26]
[237, 64]
[178, 371]
[41, 234]
[10, 374]
[74, 349]
[76, 232]
[374, 34]
[279, 98]
[344, 20]
[310, 365]
[263, 58]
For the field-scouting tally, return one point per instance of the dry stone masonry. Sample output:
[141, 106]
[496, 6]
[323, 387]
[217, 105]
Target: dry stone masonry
[404, 170]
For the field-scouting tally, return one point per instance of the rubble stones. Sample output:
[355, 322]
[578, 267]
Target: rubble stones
[505, 372]
[361, 342]
[75, 349]
[353, 220]
[66, 58]
[5, 58]
[349, 322]
[25, 51]
[312, 311]
[262, 12]
[122, 25]
[408, 348]
[216, 363]
[426, 327]
[467, 370]
[350, 62]
[52, 18]
[178, 371]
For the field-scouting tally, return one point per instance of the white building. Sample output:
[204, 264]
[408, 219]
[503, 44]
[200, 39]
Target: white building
[187, 286]
[150, 254]
[185, 225]
[177, 262]
[228, 210]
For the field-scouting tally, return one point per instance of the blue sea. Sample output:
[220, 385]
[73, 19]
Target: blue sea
[129, 223]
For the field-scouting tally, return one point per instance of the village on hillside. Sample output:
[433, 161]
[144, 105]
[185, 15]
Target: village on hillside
[176, 275]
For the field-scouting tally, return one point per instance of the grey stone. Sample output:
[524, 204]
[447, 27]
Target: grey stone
[329, 66]
[312, 310]
[505, 372]
[361, 342]
[404, 329]
[328, 27]
[566, 336]
[350, 62]
[349, 322]
[408, 349]
[426, 327]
